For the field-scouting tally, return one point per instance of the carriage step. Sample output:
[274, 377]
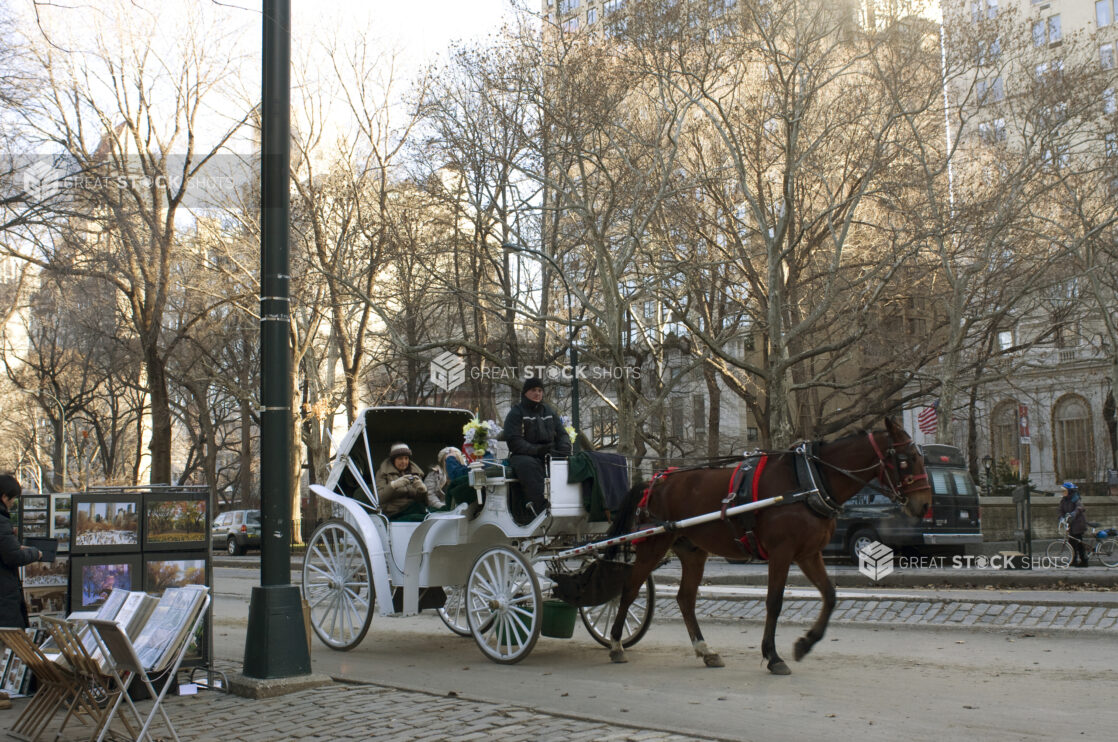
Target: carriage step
[429, 597]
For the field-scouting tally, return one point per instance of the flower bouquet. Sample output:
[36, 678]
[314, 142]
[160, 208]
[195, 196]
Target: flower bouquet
[567, 426]
[478, 435]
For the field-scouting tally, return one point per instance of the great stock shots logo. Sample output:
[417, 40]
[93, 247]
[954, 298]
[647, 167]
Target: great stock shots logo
[875, 560]
[41, 180]
[448, 371]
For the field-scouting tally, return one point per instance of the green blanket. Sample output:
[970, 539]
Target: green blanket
[581, 469]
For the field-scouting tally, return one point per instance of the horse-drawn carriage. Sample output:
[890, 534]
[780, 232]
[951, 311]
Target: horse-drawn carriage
[485, 571]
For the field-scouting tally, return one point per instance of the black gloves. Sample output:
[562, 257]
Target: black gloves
[543, 449]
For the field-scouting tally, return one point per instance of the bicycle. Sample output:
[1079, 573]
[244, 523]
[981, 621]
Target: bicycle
[1105, 548]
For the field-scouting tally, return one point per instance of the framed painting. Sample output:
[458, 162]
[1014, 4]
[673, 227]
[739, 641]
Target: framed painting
[101, 523]
[165, 570]
[47, 574]
[176, 522]
[92, 578]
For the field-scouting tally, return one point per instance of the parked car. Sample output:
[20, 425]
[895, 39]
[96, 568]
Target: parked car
[237, 531]
[953, 520]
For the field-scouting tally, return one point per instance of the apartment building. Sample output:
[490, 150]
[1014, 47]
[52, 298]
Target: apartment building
[1048, 410]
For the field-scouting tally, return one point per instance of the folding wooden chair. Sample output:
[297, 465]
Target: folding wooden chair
[58, 686]
[97, 690]
[126, 667]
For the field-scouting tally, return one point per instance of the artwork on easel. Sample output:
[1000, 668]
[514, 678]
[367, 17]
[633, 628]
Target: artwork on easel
[60, 520]
[92, 578]
[14, 677]
[34, 516]
[105, 523]
[175, 521]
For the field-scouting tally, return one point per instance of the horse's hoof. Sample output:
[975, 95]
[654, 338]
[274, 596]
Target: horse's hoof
[779, 668]
[713, 660]
[618, 657]
[802, 647]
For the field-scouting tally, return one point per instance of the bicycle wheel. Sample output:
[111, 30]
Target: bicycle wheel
[1108, 552]
[1060, 553]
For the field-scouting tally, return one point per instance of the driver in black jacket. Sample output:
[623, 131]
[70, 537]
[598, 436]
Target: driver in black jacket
[534, 431]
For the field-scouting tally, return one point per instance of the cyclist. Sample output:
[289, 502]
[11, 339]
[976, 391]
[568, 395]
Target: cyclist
[1071, 507]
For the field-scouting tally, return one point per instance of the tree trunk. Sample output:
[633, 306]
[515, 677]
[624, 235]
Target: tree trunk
[160, 445]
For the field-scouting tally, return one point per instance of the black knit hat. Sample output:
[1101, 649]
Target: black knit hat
[9, 486]
[533, 382]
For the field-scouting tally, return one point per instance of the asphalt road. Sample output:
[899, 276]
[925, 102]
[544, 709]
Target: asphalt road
[866, 681]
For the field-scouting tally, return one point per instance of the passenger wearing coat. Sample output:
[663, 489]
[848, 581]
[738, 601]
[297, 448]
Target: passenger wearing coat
[13, 611]
[534, 431]
[400, 485]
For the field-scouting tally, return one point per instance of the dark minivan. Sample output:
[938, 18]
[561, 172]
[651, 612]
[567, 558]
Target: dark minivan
[952, 522]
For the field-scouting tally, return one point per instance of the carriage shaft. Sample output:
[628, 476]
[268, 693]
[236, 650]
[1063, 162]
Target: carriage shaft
[669, 526]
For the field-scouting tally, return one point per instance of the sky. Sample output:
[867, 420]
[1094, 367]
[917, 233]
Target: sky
[421, 28]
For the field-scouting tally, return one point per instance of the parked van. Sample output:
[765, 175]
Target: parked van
[952, 522]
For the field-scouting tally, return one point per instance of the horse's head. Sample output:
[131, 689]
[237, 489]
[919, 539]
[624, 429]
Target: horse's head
[902, 468]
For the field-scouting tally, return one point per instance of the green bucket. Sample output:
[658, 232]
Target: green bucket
[558, 619]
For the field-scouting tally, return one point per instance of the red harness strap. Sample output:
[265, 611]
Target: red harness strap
[748, 540]
[643, 504]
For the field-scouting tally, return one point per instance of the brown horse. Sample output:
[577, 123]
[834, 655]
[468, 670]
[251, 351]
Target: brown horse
[787, 532]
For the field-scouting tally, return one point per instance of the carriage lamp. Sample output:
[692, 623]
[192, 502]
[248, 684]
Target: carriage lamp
[987, 465]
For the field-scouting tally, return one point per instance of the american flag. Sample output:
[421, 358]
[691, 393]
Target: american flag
[927, 419]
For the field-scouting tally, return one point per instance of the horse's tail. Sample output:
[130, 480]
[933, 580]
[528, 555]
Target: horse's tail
[625, 516]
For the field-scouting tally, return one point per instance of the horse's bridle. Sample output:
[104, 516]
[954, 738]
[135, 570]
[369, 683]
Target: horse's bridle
[895, 467]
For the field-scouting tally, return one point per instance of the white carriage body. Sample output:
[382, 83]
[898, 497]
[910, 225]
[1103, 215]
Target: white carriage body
[440, 550]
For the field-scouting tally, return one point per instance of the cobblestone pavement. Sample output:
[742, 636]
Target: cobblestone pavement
[1040, 610]
[399, 716]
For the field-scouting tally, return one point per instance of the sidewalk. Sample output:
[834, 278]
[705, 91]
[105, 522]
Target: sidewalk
[328, 713]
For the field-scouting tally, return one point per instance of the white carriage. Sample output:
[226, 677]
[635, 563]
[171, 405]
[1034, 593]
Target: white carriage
[485, 572]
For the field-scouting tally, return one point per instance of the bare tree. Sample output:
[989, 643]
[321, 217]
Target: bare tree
[127, 112]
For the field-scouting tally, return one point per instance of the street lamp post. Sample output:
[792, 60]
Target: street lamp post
[987, 465]
[572, 350]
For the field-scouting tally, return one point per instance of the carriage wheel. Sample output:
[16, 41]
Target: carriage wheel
[598, 619]
[453, 612]
[338, 585]
[503, 605]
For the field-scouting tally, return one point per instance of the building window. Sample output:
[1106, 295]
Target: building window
[990, 91]
[699, 412]
[1109, 102]
[1003, 432]
[611, 5]
[1104, 14]
[1005, 339]
[570, 25]
[603, 426]
[566, 6]
[1106, 56]
[1111, 140]
[591, 16]
[1047, 31]
[992, 131]
[676, 413]
[1071, 426]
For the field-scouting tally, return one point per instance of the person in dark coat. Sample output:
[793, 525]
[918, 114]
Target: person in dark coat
[533, 432]
[1071, 507]
[13, 611]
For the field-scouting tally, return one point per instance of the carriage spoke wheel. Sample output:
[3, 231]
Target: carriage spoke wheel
[338, 585]
[453, 612]
[598, 619]
[503, 605]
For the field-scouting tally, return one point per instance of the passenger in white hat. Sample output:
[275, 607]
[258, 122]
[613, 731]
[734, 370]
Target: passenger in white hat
[400, 485]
